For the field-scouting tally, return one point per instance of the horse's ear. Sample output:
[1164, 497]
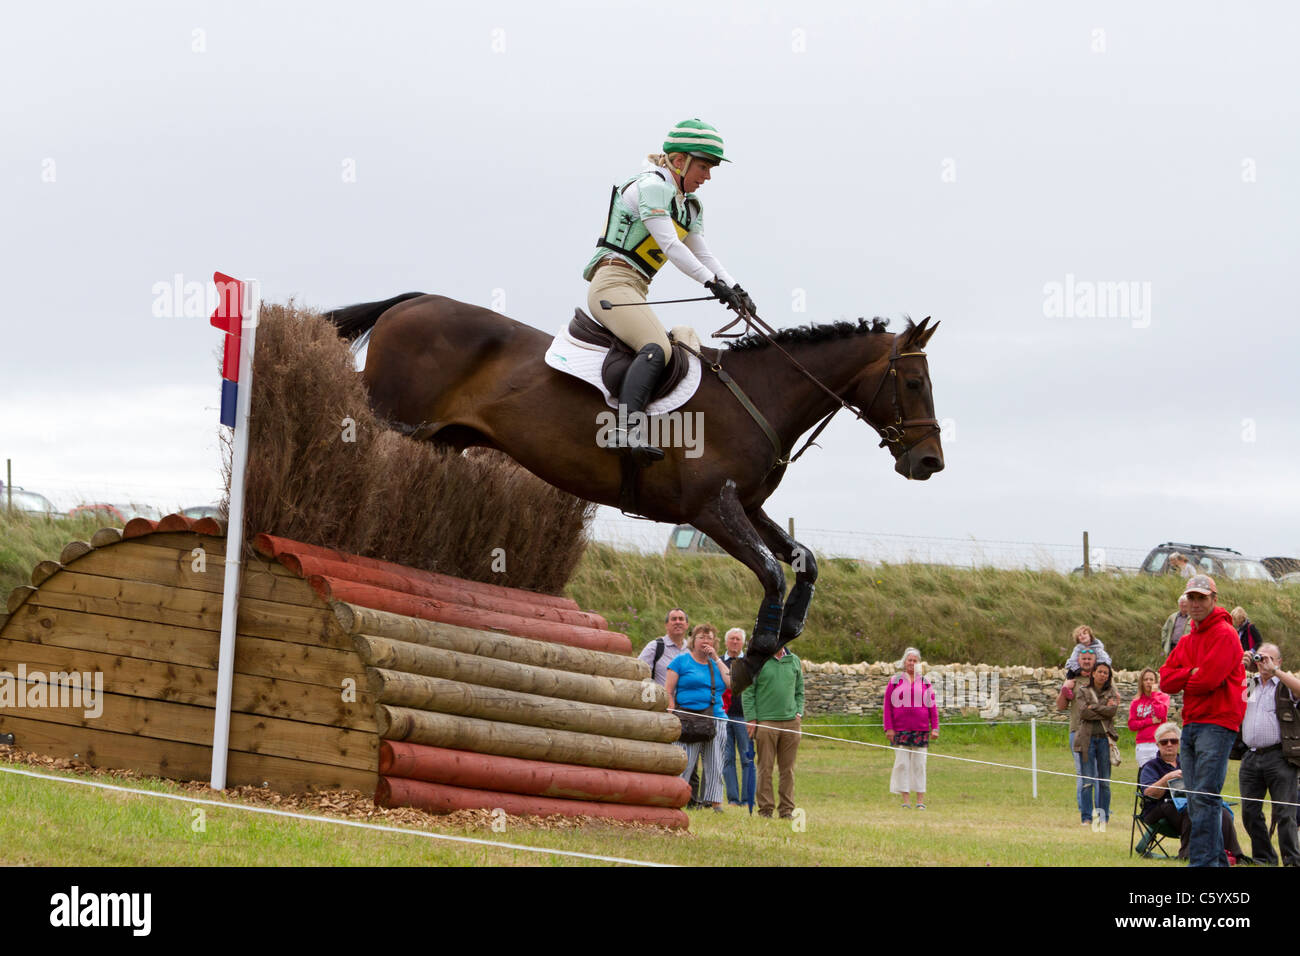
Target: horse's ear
[914, 337]
[924, 340]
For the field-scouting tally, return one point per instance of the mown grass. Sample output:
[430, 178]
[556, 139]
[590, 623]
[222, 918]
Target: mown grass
[977, 816]
[952, 614]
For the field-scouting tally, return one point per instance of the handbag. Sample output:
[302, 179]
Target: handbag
[696, 726]
[1114, 755]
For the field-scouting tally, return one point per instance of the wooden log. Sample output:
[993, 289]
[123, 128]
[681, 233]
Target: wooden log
[73, 550]
[179, 761]
[44, 571]
[510, 774]
[210, 526]
[305, 566]
[105, 536]
[533, 710]
[175, 522]
[440, 798]
[272, 547]
[355, 619]
[430, 609]
[157, 680]
[18, 596]
[533, 743]
[139, 528]
[485, 671]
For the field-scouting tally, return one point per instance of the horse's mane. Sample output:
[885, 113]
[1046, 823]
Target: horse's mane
[805, 334]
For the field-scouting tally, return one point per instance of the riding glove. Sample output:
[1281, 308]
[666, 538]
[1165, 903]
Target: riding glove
[725, 294]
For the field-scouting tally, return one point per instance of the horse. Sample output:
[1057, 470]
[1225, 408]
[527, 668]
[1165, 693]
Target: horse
[465, 376]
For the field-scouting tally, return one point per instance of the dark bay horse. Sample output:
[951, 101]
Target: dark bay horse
[463, 376]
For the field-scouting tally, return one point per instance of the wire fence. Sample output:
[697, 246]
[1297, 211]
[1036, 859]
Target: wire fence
[648, 537]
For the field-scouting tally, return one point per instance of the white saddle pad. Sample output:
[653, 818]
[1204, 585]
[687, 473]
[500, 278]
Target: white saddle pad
[584, 361]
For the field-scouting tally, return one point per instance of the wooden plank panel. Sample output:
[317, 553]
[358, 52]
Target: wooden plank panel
[156, 680]
[164, 720]
[158, 603]
[179, 761]
[140, 561]
[183, 645]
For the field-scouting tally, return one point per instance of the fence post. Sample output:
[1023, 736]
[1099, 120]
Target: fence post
[1033, 753]
[1087, 570]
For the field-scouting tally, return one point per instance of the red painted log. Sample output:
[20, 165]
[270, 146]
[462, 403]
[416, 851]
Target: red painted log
[271, 546]
[432, 610]
[461, 768]
[139, 527]
[440, 798]
[305, 565]
[175, 522]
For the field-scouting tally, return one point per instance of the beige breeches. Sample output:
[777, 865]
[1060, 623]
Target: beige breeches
[638, 326]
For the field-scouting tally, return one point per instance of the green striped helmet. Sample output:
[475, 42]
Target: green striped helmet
[697, 138]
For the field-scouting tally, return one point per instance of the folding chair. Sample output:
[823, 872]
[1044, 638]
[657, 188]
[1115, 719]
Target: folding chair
[1153, 835]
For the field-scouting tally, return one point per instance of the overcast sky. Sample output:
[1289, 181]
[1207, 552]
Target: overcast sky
[981, 162]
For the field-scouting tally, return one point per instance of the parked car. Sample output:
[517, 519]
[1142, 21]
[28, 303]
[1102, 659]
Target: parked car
[28, 502]
[1206, 559]
[119, 513]
[1280, 567]
[202, 511]
[685, 539]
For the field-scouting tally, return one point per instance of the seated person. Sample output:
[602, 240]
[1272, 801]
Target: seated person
[1084, 641]
[1162, 789]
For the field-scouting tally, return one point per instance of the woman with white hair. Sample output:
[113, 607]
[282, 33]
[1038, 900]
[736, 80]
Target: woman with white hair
[911, 722]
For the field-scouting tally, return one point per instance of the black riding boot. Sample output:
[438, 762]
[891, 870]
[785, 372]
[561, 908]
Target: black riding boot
[638, 385]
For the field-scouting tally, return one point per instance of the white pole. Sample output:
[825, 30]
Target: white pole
[234, 537]
[1033, 752]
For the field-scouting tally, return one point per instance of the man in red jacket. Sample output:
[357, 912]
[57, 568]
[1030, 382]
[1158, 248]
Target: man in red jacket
[1206, 666]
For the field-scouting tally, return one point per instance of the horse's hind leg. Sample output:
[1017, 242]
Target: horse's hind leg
[725, 521]
[804, 563]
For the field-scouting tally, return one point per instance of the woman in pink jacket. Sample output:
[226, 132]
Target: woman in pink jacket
[1146, 713]
[911, 720]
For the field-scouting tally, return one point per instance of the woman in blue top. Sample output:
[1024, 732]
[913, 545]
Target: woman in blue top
[695, 682]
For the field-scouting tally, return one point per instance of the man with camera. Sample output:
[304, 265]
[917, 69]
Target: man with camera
[1270, 735]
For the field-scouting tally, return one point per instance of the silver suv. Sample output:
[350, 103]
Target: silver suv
[1214, 561]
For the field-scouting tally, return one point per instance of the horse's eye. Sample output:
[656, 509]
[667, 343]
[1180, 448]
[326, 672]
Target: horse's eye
[914, 384]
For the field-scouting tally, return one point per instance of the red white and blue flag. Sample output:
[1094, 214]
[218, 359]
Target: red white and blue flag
[229, 317]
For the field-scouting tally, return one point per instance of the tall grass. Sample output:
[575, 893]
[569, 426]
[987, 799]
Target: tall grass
[951, 614]
[324, 470]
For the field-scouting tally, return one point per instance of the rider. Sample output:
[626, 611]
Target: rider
[653, 216]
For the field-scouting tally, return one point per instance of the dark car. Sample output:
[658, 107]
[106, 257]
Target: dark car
[1206, 559]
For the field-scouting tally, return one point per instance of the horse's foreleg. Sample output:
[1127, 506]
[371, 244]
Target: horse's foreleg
[725, 521]
[804, 563]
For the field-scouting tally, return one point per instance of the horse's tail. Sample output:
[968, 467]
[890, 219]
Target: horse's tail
[353, 321]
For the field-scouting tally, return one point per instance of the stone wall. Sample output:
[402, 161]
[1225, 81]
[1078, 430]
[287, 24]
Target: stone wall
[972, 690]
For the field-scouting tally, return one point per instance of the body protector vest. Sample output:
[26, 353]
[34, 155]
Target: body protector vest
[626, 235]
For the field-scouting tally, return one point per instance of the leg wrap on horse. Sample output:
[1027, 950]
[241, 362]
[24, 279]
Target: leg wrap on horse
[796, 610]
[638, 385]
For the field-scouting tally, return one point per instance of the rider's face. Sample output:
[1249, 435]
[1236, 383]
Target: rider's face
[697, 174]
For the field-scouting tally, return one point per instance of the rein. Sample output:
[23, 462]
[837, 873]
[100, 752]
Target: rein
[890, 434]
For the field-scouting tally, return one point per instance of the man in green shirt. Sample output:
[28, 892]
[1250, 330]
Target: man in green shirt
[774, 706]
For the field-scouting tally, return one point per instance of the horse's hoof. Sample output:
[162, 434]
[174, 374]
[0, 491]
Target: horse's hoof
[741, 677]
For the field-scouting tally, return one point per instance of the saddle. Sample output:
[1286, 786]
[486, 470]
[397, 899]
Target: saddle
[620, 355]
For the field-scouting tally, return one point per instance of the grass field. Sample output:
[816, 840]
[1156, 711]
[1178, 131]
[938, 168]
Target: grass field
[977, 816]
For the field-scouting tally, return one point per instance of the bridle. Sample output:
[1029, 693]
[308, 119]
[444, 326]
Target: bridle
[890, 434]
